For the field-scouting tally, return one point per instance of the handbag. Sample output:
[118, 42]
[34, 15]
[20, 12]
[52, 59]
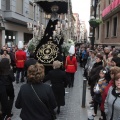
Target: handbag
[53, 116]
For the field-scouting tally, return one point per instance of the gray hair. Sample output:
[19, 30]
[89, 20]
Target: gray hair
[56, 64]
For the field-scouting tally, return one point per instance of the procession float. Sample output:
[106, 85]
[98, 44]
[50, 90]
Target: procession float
[49, 43]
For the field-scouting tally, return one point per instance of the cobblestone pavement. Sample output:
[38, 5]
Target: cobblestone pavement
[72, 109]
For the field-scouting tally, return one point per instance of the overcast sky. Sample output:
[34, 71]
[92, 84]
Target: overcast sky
[82, 7]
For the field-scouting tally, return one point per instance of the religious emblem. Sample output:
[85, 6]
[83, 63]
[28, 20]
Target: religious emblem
[47, 52]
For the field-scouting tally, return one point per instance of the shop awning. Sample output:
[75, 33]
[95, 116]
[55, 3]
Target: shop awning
[47, 4]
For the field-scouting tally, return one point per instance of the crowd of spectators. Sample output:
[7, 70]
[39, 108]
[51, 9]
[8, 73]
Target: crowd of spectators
[102, 70]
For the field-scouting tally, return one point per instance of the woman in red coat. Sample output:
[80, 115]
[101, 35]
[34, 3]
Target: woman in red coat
[71, 66]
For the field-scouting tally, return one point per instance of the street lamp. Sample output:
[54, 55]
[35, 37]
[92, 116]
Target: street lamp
[93, 35]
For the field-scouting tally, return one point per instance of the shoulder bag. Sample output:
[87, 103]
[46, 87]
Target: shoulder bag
[53, 116]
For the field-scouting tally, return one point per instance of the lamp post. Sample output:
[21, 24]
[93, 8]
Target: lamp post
[93, 35]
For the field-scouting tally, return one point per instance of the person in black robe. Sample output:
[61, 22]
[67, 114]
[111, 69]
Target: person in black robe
[58, 80]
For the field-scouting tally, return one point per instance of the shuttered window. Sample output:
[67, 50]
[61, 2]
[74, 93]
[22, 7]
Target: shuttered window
[30, 10]
[115, 26]
[107, 29]
[7, 4]
[19, 6]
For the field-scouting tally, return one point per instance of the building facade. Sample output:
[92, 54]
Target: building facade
[109, 12]
[98, 16]
[83, 32]
[76, 27]
[14, 17]
[111, 22]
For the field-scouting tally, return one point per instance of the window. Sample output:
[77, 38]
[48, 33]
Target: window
[7, 4]
[31, 15]
[115, 26]
[19, 6]
[107, 29]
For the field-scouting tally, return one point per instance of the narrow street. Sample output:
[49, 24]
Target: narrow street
[72, 110]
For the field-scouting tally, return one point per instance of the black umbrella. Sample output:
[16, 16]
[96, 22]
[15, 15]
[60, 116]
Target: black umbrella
[47, 4]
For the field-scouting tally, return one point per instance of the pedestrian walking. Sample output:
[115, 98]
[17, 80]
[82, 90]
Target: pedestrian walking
[7, 78]
[71, 66]
[36, 99]
[20, 58]
[58, 80]
[4, 112]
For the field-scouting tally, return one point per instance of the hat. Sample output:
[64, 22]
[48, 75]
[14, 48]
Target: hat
[72, 49]
[20, 44]
[99, 56]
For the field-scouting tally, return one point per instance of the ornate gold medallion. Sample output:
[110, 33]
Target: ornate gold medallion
[47, 52]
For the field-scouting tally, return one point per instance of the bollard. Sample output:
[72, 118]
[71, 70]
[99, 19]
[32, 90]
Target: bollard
[90, 118]
[84, 93]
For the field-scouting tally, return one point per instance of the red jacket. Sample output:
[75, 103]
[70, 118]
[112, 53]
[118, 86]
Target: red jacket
[71, 65]
[20, 58]
[104, 94]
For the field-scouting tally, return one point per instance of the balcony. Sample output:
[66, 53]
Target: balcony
[110, 10]
[16, 17]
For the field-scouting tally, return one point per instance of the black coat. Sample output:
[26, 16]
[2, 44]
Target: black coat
[94, 74]
[9, 78]
[30, 61]
[58, 80]
[32, 108]
[4, 99]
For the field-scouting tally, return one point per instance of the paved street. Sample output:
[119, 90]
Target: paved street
[72, 110]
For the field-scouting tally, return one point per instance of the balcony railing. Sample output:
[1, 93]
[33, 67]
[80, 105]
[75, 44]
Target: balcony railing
[111, 7]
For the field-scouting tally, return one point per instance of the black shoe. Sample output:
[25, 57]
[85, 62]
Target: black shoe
[92, 105]
[100, 119]
[69, 86]
[22, 80]
[91, 102]
[11, 114]
[58, 111]
[17, 82]
[94, 115]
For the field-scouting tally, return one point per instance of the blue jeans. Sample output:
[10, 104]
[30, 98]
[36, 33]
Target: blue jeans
[18, 74]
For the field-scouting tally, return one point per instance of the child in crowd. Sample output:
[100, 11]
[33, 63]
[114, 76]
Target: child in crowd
[98, 89]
